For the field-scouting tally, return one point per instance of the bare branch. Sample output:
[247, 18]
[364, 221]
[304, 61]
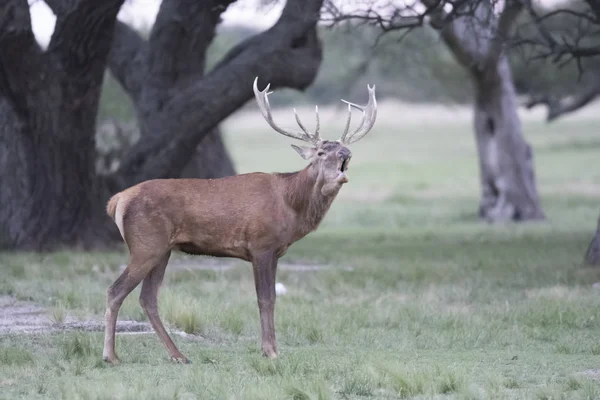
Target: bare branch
[398, 19]
[557, 107]
[564, 47]
[512, 9]
[20, 56]
[127, 59]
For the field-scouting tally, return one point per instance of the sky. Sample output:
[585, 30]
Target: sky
[139, 13]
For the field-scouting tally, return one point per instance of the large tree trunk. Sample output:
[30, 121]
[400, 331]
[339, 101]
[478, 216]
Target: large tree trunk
[476, 39]
[506, 160]
[211, 159]
[48, 110]
[51, 194]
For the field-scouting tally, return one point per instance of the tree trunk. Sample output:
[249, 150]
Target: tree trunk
[48, 105]
[592, 255]
[211, 159]
[476, 39]
[51, 194]
[508, 189]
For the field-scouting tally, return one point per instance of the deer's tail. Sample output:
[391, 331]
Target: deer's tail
[115, 209]
[111, 207]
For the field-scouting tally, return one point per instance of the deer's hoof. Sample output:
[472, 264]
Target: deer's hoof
[114, 360]
[181, 360]
[270, 354]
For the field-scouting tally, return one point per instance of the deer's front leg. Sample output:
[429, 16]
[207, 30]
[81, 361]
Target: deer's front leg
[265, 269]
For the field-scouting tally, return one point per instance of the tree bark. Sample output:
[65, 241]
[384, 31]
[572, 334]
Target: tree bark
[559, 106]
[51, 194]
[507, 176]
[211, 159]
[174, 56]
[506, 160]
[48, 110]
[592, 255]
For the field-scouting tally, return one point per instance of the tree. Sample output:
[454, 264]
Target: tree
[51, 193]
[476, 33]
[565, 34]
[163, 65]
[578, 44]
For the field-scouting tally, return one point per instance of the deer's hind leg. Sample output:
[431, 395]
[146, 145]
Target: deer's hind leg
[149, 302]
[137, 269]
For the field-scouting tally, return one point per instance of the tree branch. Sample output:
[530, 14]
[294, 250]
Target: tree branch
[287, 55]
[173, 56]
[20, 56]
[400, 18]
[462, 29]
[81, 42]
[183, 31]
[512, 9]
[127, 59]
[568, 47]
[557, 107]
[60, 7]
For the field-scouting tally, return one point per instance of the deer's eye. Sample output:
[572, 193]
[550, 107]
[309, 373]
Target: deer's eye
[320, 153]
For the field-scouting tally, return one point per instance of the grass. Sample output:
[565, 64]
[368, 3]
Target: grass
[419, 299]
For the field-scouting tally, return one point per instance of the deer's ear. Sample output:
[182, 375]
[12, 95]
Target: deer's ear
[305, 152]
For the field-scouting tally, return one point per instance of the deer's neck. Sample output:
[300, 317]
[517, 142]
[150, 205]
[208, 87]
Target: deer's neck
[303, 195]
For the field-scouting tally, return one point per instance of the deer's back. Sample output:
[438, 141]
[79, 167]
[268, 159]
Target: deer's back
[230, 216]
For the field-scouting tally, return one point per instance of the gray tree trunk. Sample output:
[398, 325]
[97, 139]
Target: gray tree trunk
[48, 104]
[592, 255]
[476, 39]
[211, 159]
[51, 194]
[508, 189]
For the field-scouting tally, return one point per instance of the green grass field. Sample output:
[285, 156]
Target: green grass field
[416, 298]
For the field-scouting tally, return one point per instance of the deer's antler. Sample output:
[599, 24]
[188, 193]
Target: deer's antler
[265, 109]
[368, 120]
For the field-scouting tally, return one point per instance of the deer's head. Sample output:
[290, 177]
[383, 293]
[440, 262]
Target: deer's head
[329, 160]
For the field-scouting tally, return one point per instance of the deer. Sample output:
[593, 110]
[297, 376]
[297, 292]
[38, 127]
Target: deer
[254, 217]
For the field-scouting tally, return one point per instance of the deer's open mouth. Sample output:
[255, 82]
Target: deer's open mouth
[344, 166]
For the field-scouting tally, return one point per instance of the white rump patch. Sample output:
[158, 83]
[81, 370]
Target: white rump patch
[119, 216]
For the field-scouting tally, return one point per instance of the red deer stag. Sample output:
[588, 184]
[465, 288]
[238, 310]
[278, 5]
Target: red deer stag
[254, 217]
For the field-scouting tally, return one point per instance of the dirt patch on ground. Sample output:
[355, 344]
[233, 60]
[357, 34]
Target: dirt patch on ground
[592, 374]
[219, 264]
[17, 316]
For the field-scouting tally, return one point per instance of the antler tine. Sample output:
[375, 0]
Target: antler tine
[368, 120]
[265, 108]
[317, 135]
[342, 138]
[300, 123]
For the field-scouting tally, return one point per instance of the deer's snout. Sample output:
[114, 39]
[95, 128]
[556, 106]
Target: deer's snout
[344, 154]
